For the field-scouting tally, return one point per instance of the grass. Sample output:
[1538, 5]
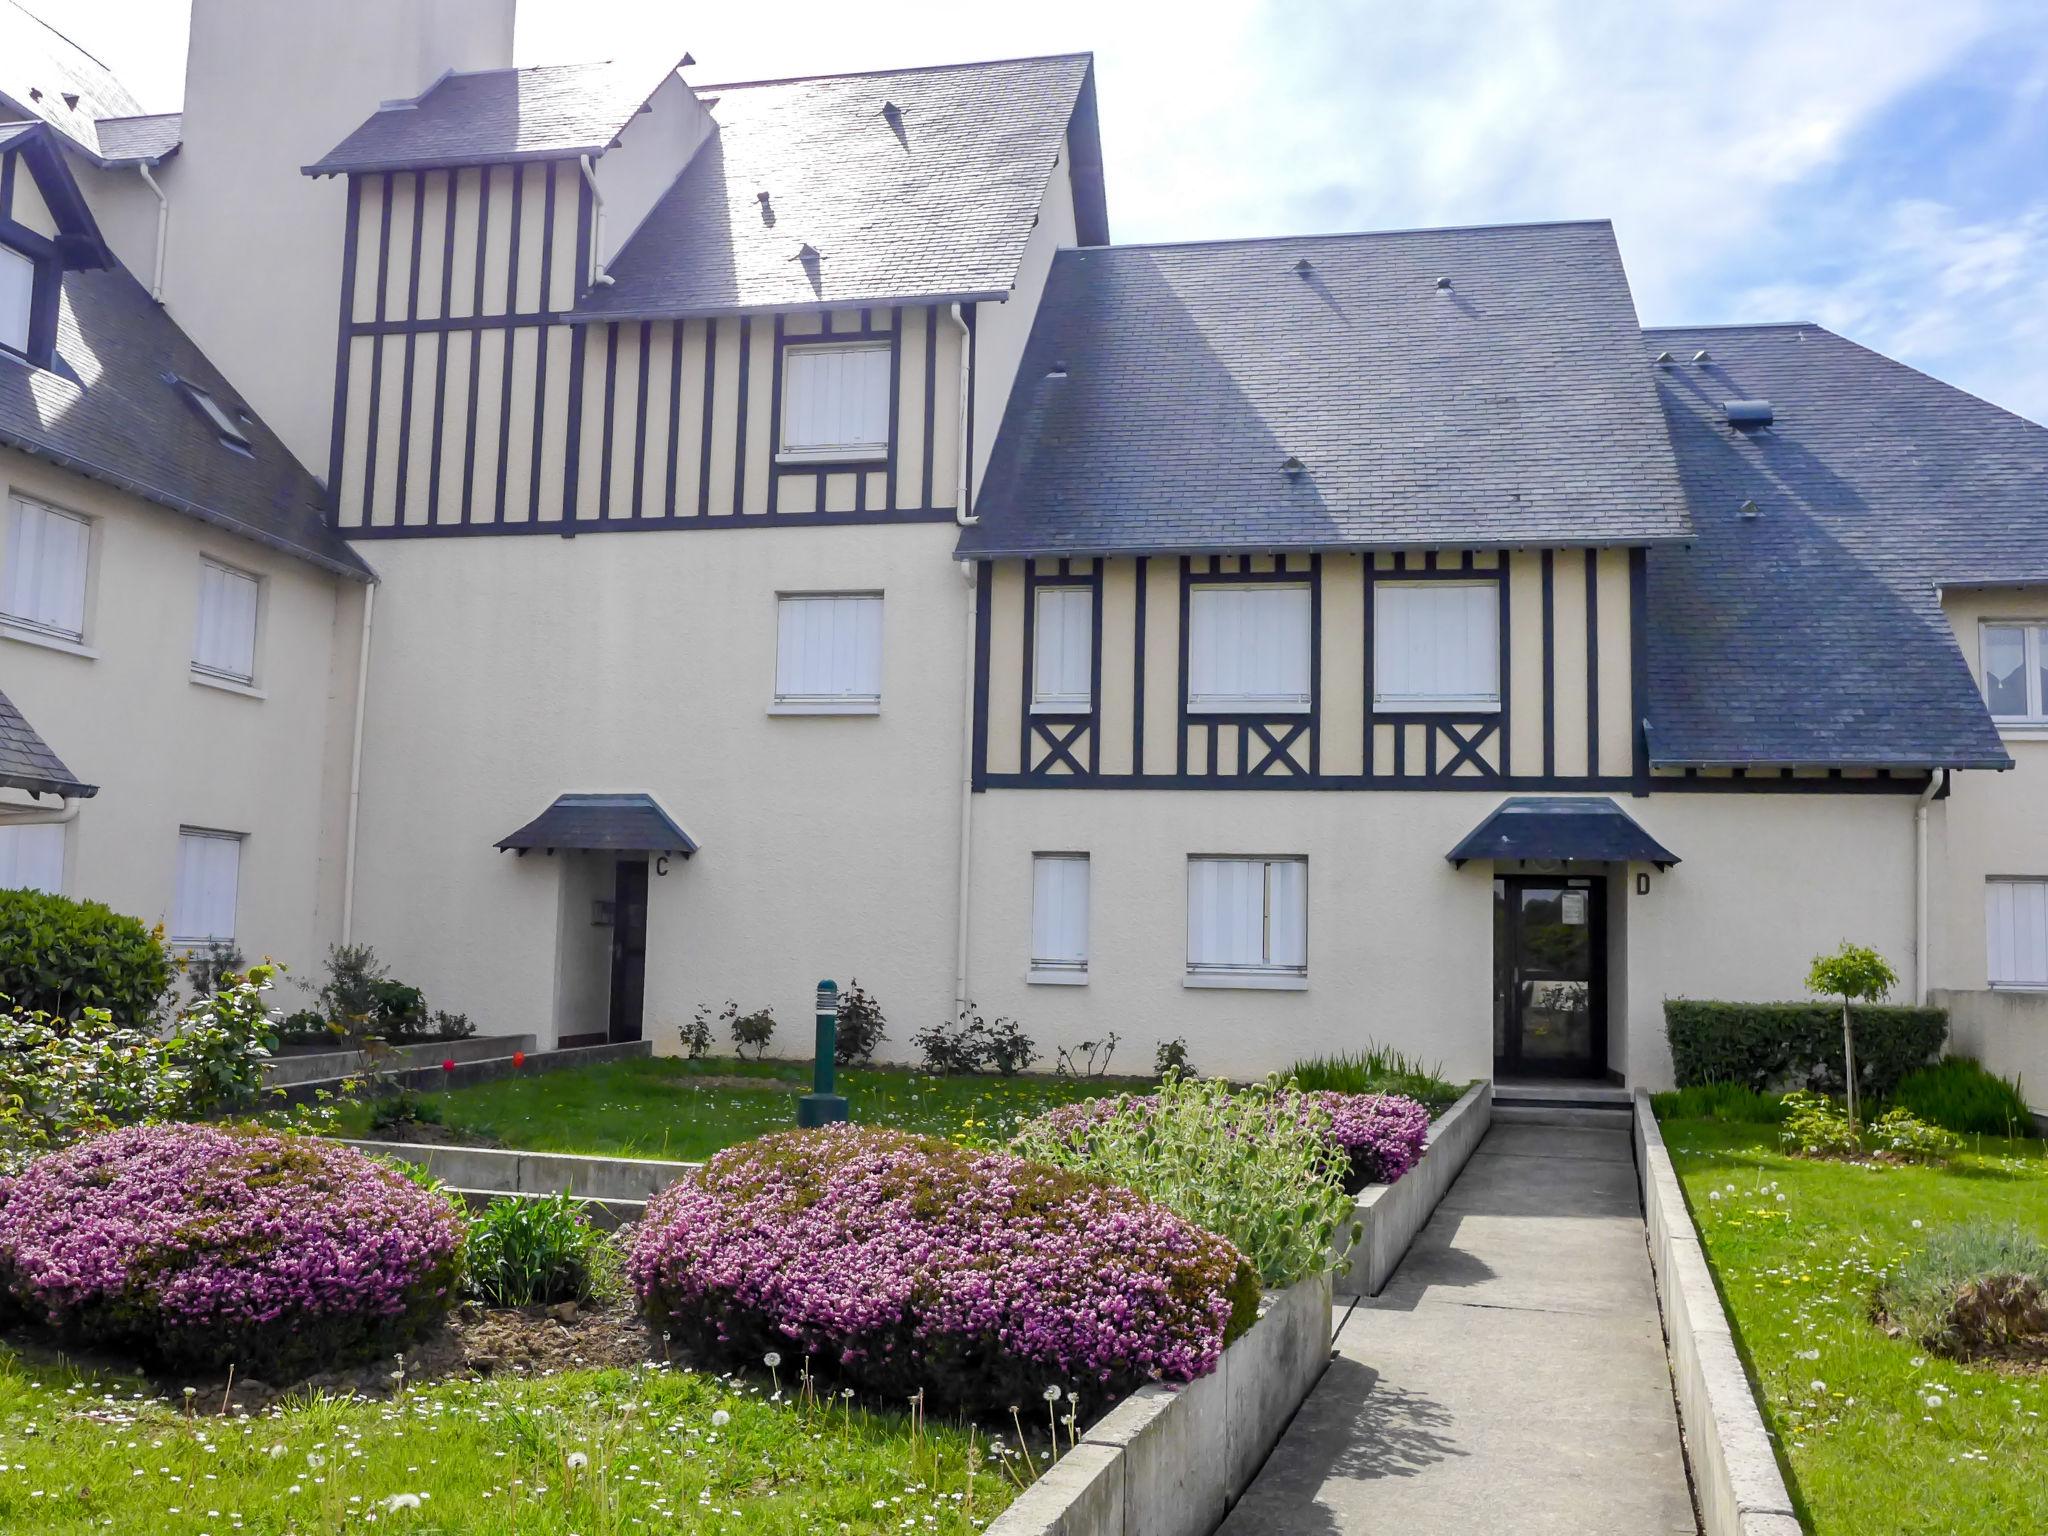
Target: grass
[1961, 1095]
[1379, 1069]
[666, 1106]
[1877, 1435]
[83, 1452]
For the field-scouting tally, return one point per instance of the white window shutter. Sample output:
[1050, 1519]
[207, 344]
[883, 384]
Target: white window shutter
[828, 649]
[2016, 932]
[17, 298]
[1248, 647]
[835, 399]
[47, 552]
[224, 642]
[1063, 648]
[1059, 912]
[32, 858]
[209, 877]
[1436, 645]
[1248, 915]
[1287, 914]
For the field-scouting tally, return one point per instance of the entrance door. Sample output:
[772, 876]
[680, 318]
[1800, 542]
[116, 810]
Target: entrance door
[629, 950]
[1549, 976]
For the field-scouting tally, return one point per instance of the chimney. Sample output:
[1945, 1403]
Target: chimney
[253, 260]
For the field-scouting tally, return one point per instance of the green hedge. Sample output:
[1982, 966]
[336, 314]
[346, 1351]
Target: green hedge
[59, 956]
[1768, 1045]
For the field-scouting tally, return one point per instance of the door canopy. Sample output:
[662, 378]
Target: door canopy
[632, 823]
[1587, 828]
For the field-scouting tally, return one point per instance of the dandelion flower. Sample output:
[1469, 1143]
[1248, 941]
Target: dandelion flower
[1052, 1394]
[720, 1419]
[578, 1461]
[1934, 1400]
[399, 1501]
[771, 1359]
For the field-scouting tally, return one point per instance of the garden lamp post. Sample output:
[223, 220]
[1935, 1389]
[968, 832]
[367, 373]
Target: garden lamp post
[821, 1106]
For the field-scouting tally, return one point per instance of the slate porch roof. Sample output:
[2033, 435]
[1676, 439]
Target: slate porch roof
[1509, 408]
[1573, 827]
[547, 111]
[1813, 634]
[617, 823]
[934, 203]
[26, 761]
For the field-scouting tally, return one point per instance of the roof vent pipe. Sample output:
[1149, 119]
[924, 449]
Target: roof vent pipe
[1664, 359]
[1749, 511]
[1443, 285]
[1291, 467]
[1303, 267]
[1703, 356]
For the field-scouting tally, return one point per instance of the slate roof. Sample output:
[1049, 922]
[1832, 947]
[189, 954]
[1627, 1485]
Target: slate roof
[107, 412]
[1509, 408]
[1589, 827]
[43, 74]
[1813, 634]
[26, 761]
[935, 204]
[550, 111]
[140, 140]
[630, 823]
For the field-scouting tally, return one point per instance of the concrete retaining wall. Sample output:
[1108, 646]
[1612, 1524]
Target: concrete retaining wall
[467, 1074]
[1735, 1475]
[327, 1066]
[2008, 1032]
[505, 1171]
[1391, 1214]
[1170, 1461]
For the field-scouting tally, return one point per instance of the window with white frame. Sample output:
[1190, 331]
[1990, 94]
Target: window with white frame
[1059, 917]
[224, 638]
[209, 874]
[2016, 932]
[1248, 648]
[828, 653]
[17, 298]
[1248, 918]
[1436, 645]
[835, 401]
[32, 858]
[1063, 651]
[2015, 658]
[43, 586]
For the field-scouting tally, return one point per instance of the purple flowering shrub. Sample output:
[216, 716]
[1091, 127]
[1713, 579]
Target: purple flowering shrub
[902, 1262]
[1382, 1135]
[201, 1246]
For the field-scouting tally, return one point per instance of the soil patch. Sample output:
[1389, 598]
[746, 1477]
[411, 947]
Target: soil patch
[727, 1080]
[425, 1133]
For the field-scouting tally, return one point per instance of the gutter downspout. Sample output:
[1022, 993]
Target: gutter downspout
[65, 810]
[960, 512]
[1936, 783]
[355, 769]
[962, 896]
[163, 230]
[598, 277]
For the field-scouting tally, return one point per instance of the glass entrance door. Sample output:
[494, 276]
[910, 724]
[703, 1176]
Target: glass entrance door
[1549, 960]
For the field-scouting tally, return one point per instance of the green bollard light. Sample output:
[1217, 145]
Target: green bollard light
[821, 1106]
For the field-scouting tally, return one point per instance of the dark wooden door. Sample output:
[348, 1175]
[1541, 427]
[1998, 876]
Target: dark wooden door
[1550, 984]
[629, 950]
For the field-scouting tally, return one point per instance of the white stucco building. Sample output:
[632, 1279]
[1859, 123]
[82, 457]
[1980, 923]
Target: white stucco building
[618, 542]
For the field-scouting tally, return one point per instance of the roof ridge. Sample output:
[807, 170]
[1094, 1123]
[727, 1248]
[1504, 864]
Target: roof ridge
[1739, 325]
[901, 69]
[139, 117]
[51, 28]
[1345, 234]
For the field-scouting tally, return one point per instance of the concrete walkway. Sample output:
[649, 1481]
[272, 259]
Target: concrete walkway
[1511, 1378]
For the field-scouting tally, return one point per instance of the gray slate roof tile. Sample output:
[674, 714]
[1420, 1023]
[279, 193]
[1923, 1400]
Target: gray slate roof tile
[1813, 634]
[26, 761]
[107, 412]
[41, 70]
[140, 140]
[937, 204]
[1508, 409]
[549, 111]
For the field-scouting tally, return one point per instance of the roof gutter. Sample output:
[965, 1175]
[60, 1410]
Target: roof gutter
[65, 810]
[810, 307]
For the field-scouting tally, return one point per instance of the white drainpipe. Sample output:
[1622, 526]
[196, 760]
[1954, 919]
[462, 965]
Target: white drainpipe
[599, 278]
[163, 230]
[1935, 780]
[355, 769]
[66, 809]
[967, 571]
[960, 514]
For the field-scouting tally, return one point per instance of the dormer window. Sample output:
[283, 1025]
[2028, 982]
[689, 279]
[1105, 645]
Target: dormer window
[228, 425]
[835, 402]
[17, 298]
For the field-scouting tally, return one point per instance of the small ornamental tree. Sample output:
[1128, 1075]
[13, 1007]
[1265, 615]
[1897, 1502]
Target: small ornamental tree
[1854, 974]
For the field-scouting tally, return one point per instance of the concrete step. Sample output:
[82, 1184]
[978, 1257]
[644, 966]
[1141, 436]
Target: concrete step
[1586, 1116]
[329, 1066]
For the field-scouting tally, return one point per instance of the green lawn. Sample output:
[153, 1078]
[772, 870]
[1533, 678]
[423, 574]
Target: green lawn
[88, 1453]
[668, 1107]
[1877, 1435]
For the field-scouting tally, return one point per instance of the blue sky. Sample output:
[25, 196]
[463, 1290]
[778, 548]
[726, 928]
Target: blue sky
[1878, 166]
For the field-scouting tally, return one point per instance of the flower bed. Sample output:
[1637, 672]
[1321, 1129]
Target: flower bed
[198, 1246]
[906, 1264]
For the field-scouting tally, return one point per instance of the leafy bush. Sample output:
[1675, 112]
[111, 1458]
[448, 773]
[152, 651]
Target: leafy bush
[753, 1031]
[404, 1108]
[1088, 1059]
[1172, 1056]
[61, 1080]
[862, 1027]
[1377, 1069]
[360, 999]
[1973, 1292]
[307, 1026]
[523, 1251]
[217, 965]
[1818, 1126]
[1260, 1165]
[1771, 1046]
[972, 1044]
[696, 1036]
[200, 1246]
[1731, 1102]
[1962, 1095]
[906, 1263]
[60, 957]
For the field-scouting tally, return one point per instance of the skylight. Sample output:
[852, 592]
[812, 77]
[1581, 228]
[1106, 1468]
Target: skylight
[226, 423]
